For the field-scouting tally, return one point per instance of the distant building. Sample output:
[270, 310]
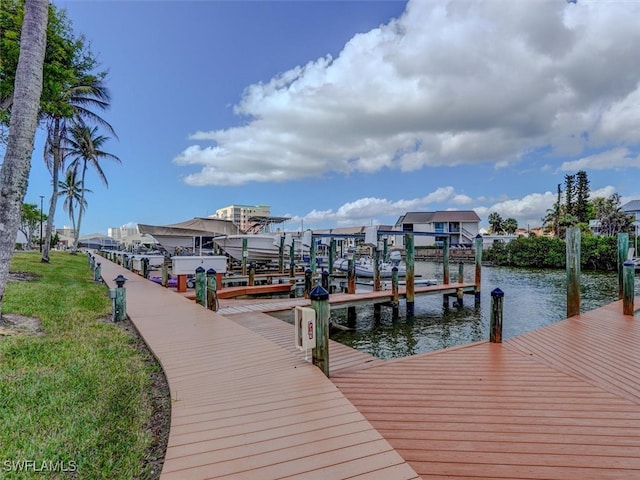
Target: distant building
[461, 226]
[241, 215]
[632, 208]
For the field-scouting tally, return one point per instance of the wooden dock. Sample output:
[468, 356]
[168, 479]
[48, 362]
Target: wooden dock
[562, 402]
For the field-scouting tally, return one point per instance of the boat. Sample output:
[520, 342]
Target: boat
[364, 266]
[260, 247]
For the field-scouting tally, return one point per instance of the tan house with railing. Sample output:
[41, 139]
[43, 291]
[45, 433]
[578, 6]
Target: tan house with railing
[461, 226]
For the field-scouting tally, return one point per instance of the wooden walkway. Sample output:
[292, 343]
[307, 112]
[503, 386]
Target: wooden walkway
[244, 407]
[561, 402]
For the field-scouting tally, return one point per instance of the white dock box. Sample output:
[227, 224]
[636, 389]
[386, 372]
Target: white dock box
[305, 328]
[186, 265]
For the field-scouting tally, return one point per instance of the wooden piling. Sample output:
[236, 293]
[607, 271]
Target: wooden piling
[307, 283]
[478, 260]
[376, 270]
[623, 252]
[332, 254]
[281, 255]
[245, 255]
[292, 260]
[395, 292]
[320, 303]
[312, 255]
[445, 261]
[201, 285]
[628, 287]
[495, 325]
[460, 272]
[252, 274]
[573, 271]
[410, 273]
[212, 290]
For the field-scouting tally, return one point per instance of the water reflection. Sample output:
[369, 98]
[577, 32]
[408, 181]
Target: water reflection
[532, 299]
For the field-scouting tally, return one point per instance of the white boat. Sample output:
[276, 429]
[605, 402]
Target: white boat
[260, 247]
[364, 267]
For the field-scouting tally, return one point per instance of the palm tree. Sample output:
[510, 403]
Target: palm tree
[22, 127]
[75, 104]
[72, 191]
[85, 147]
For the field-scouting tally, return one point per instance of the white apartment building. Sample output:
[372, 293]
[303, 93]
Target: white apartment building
[240, 215]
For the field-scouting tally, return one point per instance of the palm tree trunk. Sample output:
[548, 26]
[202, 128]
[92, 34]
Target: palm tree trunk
[81, 208]
[22, 127]
[55, 172]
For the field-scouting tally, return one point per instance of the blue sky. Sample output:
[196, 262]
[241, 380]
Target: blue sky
[344, 113]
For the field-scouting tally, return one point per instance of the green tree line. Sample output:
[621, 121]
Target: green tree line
[597, 252]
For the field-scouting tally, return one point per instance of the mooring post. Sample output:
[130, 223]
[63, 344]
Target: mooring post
[320, 303]
[460, 297]
[212, 290]
[312, 255]
[125, 261]
[629, 287]
[623, 252]
[409, 276]
[145, 267]
[97, 273]
[376, 269]
[394, 292]
[201, 285]
[495, 327]
[245, 254]
[281, 255]
[460, 272]
[351, 274]
[307, 283]
[332, 254]
[252, 274]
[445, 261]
[165, 273]
[120, 299]
[573, 271]
[478, 260]
[324, 279]
[292, 260]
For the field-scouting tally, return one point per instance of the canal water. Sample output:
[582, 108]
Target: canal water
[532, 299]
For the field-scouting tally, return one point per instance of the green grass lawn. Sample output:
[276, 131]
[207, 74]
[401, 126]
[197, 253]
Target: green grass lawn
[77, 395]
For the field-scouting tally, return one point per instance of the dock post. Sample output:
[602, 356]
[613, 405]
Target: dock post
[394, 292]
[351, 275]
[165, 273]
[212, 290]
[478, 259]
[623, 251]
[252, 274]
[307, 283]
[320, 303]
[376, 269]
[332, 254]
[120, 300]
[573, 271]
[200, 286]
[245, 255]
[495, 327]
[445, 261]
[325, 280]
[125, 261]
[410, 283]
[312, 255]
[460, 272]
[629, 287]
[281, 255]
[460, 295]
[145, 267]
[292, 260]
[97, 273]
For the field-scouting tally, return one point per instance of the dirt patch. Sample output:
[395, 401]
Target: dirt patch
[22, 276]
[160, 399]
[12, 324]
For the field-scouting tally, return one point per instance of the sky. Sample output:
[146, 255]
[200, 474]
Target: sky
[341, 113]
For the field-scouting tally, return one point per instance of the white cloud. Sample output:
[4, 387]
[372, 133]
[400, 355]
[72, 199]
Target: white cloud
[616, 158]
[448, 83]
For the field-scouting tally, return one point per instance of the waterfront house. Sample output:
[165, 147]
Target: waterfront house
[462, 226]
